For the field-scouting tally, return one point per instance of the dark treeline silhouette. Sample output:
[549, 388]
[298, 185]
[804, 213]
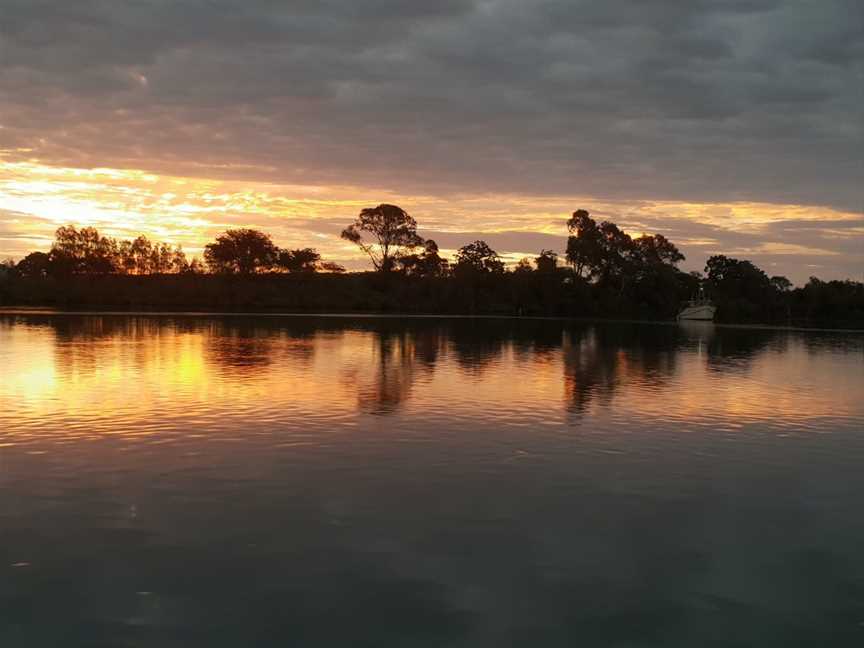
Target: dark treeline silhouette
[86, 252]
[604, 273]
[240, 251]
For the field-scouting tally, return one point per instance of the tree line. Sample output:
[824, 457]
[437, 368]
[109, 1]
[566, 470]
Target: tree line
[86, 252]
[604, 272]
[387, 234]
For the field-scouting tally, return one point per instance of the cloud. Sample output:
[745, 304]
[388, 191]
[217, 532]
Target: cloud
[479, 113]
[697, 100]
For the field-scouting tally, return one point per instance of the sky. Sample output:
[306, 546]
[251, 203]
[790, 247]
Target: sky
[731, 127]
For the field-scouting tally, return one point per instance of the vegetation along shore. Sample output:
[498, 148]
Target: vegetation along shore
[604, 273]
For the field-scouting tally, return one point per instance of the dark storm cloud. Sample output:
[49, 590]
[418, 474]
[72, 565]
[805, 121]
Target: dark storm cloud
[697, 100]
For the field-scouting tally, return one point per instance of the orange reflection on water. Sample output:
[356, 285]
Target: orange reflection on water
[140, 376]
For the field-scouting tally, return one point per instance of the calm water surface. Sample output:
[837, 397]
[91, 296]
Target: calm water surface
[287, 481]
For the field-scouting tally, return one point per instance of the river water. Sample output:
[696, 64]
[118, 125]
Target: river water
[175, 480]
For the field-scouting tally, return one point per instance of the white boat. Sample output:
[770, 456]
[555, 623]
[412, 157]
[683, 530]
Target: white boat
[698, 309]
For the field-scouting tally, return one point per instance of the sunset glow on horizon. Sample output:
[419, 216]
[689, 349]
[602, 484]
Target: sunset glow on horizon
[36, 198]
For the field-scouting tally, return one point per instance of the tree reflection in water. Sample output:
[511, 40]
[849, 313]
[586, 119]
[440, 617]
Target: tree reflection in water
[388, 356]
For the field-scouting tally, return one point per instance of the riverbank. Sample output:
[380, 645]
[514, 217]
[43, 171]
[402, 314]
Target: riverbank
[325, 293]
[34, 311]
[508, 295]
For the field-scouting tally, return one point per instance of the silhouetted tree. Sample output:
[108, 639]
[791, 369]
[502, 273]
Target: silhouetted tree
[781, 284]
[741, 290]
[630, 278]
[391, 231]
[241, 251]
[583, 244]
[8, 268]
[331, 267]
[615, 252]
[830, 301]
[731, 276]
[523, 266]
[143, 257]
[547, 261]
[195, 267]
[656, 250]
[165, 259]
[179, 263]
[83, 251]
[35, 264]
[305, 260]
[125, 259]
[426, 264]
[478, 257]
[136, 257]
[604, 251]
